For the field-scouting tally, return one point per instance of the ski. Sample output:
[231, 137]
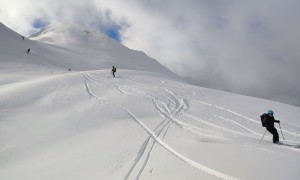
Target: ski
[288, 145]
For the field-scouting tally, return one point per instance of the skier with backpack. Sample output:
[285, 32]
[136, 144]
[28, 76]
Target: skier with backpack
[113, 70]
[268, 120]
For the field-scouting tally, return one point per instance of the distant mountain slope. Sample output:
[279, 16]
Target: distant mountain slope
[71, 46]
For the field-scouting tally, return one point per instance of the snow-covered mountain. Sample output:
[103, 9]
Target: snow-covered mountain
[143, 124]
[70, 46]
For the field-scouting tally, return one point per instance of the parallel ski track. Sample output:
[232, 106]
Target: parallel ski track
[240, 115]
[88, 89]
[196, 130]
[288, 147]
[215, 126]
[155, 136]
[178, 155]
[179, 108]
[169, 111]
[162, 127]
[256, 134]
[158, 130]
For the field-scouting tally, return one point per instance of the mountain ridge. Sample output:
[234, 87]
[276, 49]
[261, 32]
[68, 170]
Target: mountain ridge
[72, 46]
[76, 33]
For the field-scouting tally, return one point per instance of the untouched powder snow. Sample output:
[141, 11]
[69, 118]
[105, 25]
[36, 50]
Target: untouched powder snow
[143, 124]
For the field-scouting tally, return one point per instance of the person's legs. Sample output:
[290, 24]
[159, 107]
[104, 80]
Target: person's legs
[274, 132]
[275, 136]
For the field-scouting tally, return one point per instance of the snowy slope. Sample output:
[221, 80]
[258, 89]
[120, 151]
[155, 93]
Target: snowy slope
[69, 46]
[96, 49]
[141, 125]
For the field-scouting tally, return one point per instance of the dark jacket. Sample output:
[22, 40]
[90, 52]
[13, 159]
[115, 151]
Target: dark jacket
[113, 69]
[269, 120]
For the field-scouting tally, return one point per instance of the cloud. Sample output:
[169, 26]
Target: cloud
[247, 47]
[24, 16]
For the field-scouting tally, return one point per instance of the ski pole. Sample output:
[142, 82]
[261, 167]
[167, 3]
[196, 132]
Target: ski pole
[281, 131]
[262, 137]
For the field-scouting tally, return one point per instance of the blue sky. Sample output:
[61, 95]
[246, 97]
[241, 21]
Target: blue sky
[39, 23]
[111, 31]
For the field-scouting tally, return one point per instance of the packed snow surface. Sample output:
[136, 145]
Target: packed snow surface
[143, 124]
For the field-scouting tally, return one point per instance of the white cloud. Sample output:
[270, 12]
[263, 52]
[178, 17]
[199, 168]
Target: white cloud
[249, 47]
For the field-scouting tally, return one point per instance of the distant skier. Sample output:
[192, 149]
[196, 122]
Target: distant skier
[113, 71]
[268, 121]
[28, 50]
[23, 37]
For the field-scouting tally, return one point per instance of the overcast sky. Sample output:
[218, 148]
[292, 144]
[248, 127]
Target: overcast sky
[249, 47]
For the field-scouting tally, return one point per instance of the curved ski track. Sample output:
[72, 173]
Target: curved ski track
[242, 116]
[174, 107]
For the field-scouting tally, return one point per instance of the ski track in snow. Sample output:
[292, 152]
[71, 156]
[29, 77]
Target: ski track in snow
[162, 127]
[238, 124]
[255, 134]
[88, 89]
[263, 149]
[155, 135]
[225, 109]
[214, 125]
[158, 130]
[196, 130]
[240, 115]
[180, 106]
[287, 147]
[178, 155]
[169, 111]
